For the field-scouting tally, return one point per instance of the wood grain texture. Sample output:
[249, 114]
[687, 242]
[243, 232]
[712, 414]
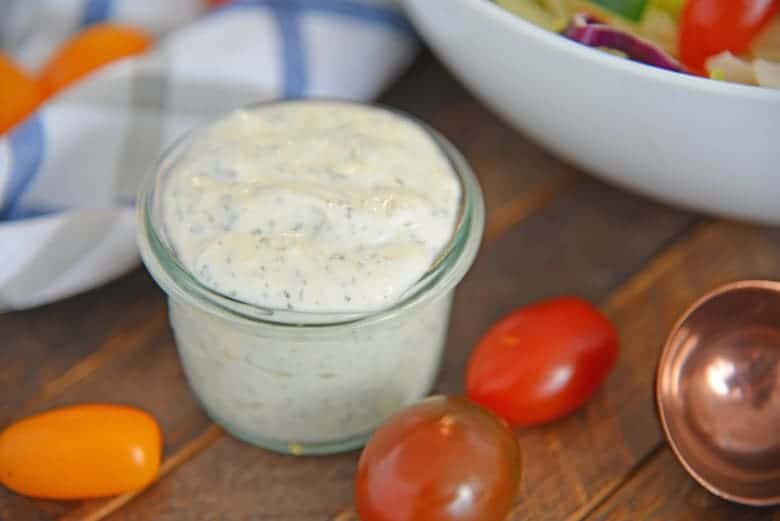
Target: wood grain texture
[99, 509]
[233, 481]
[549, 231]
[149, 377]
[40, 345]
[603, 444]
[646, 309]
[575, 465]
[136, 363]
[246, 483]
[662, 491]
[48, 350]
[571, 247]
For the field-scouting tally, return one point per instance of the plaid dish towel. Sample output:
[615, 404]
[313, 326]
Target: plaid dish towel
[69, 173]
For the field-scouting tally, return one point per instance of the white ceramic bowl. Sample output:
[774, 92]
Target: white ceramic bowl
[694, 142]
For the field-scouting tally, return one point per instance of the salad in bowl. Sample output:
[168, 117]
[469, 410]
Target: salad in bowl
[730, 40]
[683, 139]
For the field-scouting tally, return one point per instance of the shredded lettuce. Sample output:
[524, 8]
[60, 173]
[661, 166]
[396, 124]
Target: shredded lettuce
[671, 7]
[559, 8]
[647, 31]
[631, 9]
[717, 75]
[534, 13]
[734, 69]
[731, 68]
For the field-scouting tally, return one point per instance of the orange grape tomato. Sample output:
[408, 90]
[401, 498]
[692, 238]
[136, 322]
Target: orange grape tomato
[92, 48]
[441, 459]
[19, 94]
[543, 361]
[79, 452]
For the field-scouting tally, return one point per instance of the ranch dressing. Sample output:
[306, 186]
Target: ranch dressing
[345, 228]
[313, 207]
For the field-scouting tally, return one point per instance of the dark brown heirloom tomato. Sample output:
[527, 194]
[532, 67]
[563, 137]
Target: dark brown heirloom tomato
[442, 459]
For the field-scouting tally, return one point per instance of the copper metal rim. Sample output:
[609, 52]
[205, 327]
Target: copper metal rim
[674, 397]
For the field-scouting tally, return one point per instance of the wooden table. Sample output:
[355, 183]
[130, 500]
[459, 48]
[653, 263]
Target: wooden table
[550, 230]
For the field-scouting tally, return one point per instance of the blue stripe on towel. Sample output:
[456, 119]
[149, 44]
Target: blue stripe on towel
[27, 148]
[95, 11]
[30, 212]
[288, 13]
[383, 16]
[294, 60]
[294, 55]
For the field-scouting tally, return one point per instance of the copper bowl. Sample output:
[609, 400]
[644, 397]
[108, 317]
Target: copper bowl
[718, 392]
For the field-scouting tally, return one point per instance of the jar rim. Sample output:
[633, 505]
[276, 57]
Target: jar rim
[446, 271]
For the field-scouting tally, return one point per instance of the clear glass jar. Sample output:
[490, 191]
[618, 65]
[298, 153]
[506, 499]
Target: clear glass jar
[308, 383]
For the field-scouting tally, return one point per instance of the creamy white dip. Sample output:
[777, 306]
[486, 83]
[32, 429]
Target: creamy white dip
[314, 207]
[324, 207]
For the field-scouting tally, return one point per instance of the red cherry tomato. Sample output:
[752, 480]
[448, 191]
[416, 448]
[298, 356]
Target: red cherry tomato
[543, 361]
[442, 459]
[709, 27]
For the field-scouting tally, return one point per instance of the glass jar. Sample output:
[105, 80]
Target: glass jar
[308, 383]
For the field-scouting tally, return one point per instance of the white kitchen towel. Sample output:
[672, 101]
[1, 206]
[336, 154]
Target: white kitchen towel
[69, 173]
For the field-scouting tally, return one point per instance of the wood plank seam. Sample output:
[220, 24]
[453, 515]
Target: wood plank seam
[568, 471]
[615, 486]
[513, 212]
[667, 258]
[670, 256]
[210, 436]
[123, 342]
